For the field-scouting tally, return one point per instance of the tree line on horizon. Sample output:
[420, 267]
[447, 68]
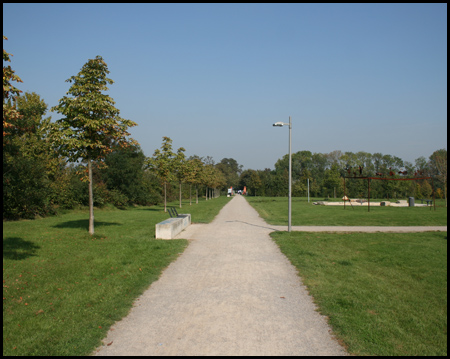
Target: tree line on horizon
[326, 173]
[87, 158]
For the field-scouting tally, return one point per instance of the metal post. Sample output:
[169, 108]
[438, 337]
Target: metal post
[344, 193]
[290, 173]
[281, 124]
[308, 190]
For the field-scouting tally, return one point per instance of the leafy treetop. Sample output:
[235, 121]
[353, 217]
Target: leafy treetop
[92, 125]
[10, 114]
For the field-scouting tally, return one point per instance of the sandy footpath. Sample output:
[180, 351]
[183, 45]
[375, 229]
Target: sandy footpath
[231, 292]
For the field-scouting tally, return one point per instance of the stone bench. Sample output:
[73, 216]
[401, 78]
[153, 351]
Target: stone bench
[169, 228]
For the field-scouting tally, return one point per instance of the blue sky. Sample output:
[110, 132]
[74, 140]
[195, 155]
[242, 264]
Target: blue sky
[215, 77]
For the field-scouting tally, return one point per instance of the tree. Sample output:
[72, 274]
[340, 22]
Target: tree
[438, 164]
[162, 163]
[231, 171]
[124, 175]
[10, 114]
[332, 180]
[30, 167]
[92, 125]
[181, 167]
[255, 182]
[196, 171]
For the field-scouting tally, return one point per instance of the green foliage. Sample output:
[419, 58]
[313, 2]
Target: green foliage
[124, 174]
[326, 171]
[162, 164]
[162, 161]
[231, 171]
[10, 114]
[28, 162]
[91, 125]
[25, 187]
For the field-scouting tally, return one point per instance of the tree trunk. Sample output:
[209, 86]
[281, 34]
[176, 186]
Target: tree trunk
[190, 195]
[180, 194]
[91, 200]
[196, 195]
[165, 198]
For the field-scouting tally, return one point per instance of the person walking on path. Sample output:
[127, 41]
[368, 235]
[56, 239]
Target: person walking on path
[231, 292]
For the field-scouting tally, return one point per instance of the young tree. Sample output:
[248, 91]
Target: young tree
[181, 167]
[195, 174]
[92, 125]
[162, 163]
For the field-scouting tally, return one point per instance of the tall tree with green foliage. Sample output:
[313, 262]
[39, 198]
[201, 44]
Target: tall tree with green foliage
[29, 165]
[91, 125]
[231, 171]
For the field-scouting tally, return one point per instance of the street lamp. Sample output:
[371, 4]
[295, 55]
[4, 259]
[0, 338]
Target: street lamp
[281, 124]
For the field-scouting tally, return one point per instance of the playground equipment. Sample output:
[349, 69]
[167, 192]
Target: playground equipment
[391, 173]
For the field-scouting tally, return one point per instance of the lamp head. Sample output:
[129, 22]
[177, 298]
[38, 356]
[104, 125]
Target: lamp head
[278, 124]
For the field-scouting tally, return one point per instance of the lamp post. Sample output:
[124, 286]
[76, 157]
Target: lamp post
[281, 124]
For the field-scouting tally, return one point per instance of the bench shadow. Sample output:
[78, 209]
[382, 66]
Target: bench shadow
[84, 223]
[255, 225]
[151, 209]
[16, 248]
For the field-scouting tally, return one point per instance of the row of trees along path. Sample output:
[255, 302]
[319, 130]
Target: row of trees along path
[90, 129]
[172, 166]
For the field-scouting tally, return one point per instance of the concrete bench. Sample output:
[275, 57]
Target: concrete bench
[169, 228]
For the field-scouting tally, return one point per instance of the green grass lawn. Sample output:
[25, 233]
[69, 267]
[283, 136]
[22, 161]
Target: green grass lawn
[274, 210]
[63, 289]
[384, 293]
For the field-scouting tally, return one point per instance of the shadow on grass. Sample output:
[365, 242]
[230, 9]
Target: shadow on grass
[152, 209]
[84, 223]
[16, 248]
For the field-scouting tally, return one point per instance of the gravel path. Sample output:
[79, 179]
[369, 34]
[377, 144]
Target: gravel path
[231, 292]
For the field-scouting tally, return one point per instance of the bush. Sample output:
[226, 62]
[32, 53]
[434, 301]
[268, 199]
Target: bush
[117, 198]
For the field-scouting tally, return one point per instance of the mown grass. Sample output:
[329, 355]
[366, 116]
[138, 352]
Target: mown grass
[384, 293]
[274, 210]
[63, 289]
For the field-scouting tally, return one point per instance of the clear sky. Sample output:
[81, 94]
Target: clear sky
[215, 77]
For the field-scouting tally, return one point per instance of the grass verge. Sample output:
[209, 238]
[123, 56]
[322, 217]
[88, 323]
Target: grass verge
[63, 289]
[274, 210]
[384, 293]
